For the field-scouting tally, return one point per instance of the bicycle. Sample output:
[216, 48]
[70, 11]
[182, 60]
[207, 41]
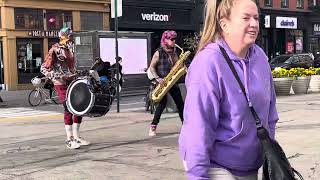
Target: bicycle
[149, 104]
[36, 95]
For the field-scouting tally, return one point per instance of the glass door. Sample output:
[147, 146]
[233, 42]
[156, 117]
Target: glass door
[29, 59]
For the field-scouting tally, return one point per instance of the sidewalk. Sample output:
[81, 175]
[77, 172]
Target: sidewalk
[121, 148]
[14, 98]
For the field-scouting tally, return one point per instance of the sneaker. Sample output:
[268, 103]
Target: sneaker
[82, 142]
[72, 144]
[152, 130]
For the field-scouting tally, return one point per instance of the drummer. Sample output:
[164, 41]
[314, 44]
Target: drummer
[59, 65]
[103, 69]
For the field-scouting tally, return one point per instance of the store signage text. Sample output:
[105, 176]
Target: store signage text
[44, 33]
[267, 21]
[316, 29]
[155, 17]
[286, 22]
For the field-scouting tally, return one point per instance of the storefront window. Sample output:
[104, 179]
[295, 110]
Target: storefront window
[29, 59]
[91, 21]
[28, 18]
[314, 45]
[295, 41]
[299, 44]
[58, 19]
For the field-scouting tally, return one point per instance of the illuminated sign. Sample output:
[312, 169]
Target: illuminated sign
[286, 22]
[53, 34]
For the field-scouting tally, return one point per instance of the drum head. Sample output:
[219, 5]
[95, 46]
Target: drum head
[79, 97]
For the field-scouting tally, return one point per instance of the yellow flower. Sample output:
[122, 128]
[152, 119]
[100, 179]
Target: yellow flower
[280, 73]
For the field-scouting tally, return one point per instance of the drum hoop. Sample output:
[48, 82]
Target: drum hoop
[92, 99]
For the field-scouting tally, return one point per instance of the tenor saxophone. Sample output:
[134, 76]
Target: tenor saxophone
[178, 70]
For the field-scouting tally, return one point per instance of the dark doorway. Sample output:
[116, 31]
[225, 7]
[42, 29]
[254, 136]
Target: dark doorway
[280, 41]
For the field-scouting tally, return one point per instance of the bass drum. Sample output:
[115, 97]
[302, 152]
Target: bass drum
[82, 101]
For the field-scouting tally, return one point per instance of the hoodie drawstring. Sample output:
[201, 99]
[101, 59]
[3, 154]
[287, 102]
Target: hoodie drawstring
[246, 81]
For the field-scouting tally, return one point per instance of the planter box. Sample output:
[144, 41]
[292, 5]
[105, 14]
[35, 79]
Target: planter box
[282, 85]
[314, 85]
[300, 85]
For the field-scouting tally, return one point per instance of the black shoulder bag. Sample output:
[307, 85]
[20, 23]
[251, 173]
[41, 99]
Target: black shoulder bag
[275, 163]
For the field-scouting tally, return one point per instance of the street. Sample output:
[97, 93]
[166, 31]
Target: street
[32, 146]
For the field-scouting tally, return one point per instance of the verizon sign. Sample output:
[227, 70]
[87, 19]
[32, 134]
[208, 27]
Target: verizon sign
[155, 17]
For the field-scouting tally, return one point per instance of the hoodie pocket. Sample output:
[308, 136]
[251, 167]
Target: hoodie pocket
[239, 152]
[234, 137]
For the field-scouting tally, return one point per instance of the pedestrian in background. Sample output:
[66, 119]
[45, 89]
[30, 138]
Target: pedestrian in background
[218, 139]
[114, 67]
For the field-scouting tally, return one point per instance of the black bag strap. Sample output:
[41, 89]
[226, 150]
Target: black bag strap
[255, 115]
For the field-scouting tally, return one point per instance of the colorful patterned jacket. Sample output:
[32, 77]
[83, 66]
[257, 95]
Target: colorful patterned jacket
[58, 64]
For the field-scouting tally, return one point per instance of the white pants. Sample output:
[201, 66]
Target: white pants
[222, 174]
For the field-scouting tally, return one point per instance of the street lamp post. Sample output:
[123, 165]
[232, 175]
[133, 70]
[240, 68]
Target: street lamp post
[117, 52]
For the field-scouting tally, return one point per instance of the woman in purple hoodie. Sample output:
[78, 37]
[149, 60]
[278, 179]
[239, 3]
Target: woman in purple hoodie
[218, 139]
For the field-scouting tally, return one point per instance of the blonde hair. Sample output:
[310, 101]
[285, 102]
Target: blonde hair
[215, 11]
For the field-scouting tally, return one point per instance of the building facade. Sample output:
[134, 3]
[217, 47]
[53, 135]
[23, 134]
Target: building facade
[30, 27]
[291, 26]
[286, 26]
[158, 16]
[314, 26]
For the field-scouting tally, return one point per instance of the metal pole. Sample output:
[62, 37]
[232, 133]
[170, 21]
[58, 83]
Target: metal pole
[117, 55]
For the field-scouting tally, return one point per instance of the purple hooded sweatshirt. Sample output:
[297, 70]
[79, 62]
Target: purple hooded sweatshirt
[219, 129]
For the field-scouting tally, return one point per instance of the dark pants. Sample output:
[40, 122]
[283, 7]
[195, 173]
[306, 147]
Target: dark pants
[176, 95]
[62, 90]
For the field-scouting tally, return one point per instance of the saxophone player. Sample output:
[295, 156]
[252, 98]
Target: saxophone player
[162, 62]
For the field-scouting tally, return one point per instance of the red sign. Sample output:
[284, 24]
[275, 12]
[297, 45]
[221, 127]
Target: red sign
[290, 47]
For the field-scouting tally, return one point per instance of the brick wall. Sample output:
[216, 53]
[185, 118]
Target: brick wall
[276, 4]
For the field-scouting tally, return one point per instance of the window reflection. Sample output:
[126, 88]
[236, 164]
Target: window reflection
[300, 4]
[284, 3]
[58, 19]
[28, 18]
[91, 21]
[29, 59]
